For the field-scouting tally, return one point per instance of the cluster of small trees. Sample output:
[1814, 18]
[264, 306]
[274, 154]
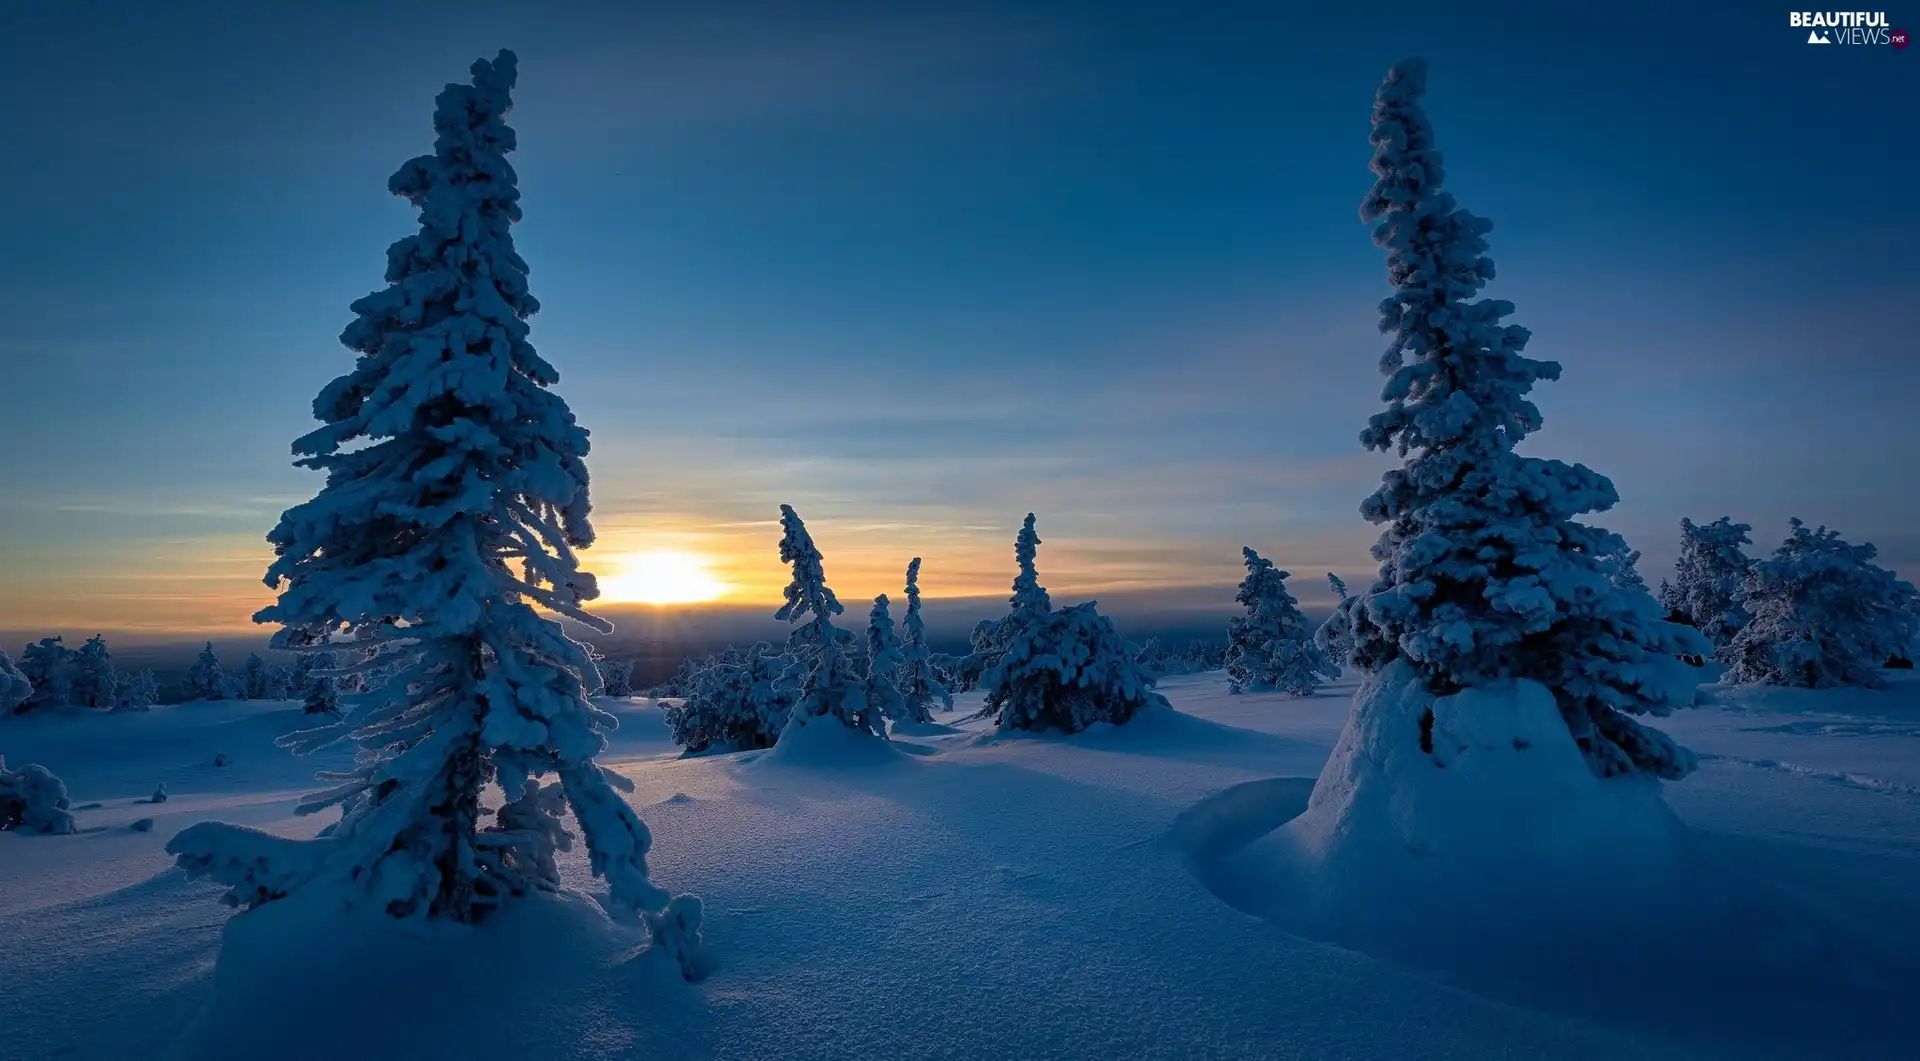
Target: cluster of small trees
[1817, 613]
[1042, 667]
[1198, 657]
[52, 674]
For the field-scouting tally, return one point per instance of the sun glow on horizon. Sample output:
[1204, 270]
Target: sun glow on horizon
[661, 576]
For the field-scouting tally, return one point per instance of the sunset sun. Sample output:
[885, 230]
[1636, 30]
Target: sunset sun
[660, 577]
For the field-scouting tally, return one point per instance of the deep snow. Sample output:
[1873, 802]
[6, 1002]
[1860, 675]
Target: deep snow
[965, 894]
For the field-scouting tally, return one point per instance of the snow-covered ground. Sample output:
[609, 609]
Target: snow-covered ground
[966, 895]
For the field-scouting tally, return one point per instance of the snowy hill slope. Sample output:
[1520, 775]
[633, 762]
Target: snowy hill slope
[971, 895]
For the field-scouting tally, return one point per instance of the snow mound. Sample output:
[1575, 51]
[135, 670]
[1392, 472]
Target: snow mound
[552, 956]
[33, 800]
[823, 741]
[1393, 830]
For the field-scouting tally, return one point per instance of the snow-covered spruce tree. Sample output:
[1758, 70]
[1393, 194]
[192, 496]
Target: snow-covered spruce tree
[735, 701]
[33, 800]
[1067, 670]
[831, 686]
[1822, 614]
[1270, 647]
[318, 687]
[1625, 573]
[884, 660]
[1485, 576]
[136, 691]
[95, 684]
[919, 681]
[1712, 568]
[616, 677]
[991, 637]
[49, 666]
[1064, 669]
[15, 688]
[455, 499]
[1335, 636]
[206, 679]
[255, 680]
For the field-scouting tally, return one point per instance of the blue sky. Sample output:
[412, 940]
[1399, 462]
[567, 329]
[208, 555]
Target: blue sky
[917, 269]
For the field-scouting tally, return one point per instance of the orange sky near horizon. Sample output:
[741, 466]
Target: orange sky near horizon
[212, 586]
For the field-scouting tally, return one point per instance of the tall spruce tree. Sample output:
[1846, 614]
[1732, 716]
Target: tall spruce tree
[1028, 605]
[883, 668]
[1484, 573]
[919, 682]
[831, 685]
[456, 497]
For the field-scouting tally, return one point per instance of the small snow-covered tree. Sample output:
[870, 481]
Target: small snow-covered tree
[1270, 647]
[1485, 575]
[1064, 669]
[735, 701]
[95, 684]
[884, 660]
[455, 500]
[15, 687]
[1335, 635]
[1821, 614]
[136, 691]
[318, 686]
[49, 666]
[33, 800]
[254, 678]
[1067, 670]
[206, 679]
[1711, 570]
[616, 677]
[831, 684]
[919, 679]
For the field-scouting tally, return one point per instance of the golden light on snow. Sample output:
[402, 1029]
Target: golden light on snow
[661, 576]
